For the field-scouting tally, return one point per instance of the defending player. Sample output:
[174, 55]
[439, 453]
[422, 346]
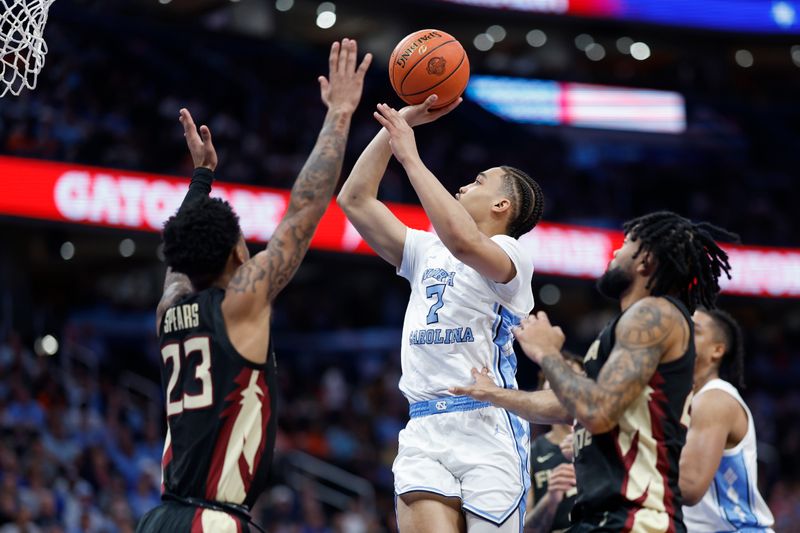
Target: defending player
[470, 283]
[632, 406]
[719, 470]
[214, 324]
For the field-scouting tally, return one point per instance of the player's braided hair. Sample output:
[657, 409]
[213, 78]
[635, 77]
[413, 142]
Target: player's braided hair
[688, 260]
[528, 201]
[199, 238]
[732, 365]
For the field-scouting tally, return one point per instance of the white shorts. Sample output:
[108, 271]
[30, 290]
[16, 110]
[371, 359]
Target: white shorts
[479, 455]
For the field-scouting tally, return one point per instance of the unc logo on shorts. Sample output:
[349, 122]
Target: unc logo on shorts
[441, 406]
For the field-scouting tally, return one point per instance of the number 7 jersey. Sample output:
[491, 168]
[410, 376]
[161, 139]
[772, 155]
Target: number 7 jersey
[220, 407]
[457, 318]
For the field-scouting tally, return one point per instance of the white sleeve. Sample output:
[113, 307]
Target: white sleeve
[413, 251]
[517, 294]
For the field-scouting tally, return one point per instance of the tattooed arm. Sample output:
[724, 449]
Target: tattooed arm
[646, 333]
[258, 281]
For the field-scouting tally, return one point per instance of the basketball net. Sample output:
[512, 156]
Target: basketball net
[22, 43]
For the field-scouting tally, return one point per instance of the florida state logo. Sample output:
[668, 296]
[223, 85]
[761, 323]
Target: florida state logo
[436, 66]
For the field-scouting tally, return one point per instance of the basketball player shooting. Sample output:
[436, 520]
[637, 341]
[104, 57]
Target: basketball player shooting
[214, 323]
[632, 406]
[719, 467]
[470, 283]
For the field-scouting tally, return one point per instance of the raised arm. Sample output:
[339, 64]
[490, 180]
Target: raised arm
[454, 225]
[644, 334]
[539, 407]
[359, 195]
[258, 281]
[204, 158]
[713, 413]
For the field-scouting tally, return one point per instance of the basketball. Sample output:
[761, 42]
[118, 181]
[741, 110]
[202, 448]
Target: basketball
[429, 62]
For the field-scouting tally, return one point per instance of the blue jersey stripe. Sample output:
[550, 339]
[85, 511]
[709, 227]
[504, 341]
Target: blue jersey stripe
[733, 490]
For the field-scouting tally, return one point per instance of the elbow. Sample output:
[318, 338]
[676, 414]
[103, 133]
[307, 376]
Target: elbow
[345, 200]
[690, 500]
[460, 243]
[690, 494]
[598, 423]
[597, 427]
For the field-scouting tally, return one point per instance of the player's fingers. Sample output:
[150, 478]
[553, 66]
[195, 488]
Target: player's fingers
[458, 391]
[449, 107]
[352, 56]
[380, 118]
[323, 83]
[343, 51]
[559, 331]
[386, 113]
[186, 120]
[333, 58]
[429, 101]
[485, 371]
[365, 63]
[541, 315]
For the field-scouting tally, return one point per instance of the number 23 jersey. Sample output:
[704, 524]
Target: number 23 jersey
[457, 318]
[221, 419]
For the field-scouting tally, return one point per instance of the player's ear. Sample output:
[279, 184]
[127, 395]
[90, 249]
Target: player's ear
[645, 264]
[240, 254]
[501, 206]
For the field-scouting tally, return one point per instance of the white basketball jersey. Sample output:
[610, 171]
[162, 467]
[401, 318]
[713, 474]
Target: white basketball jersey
[458, 319]
[732, 502]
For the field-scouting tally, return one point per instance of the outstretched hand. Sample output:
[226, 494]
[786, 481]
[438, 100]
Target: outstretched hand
[483, 388]
[401, 136]
[341, 90]
[419, 114]
[200, 145]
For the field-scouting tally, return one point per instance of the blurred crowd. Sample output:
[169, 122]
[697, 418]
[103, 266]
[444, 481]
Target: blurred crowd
[81, 442]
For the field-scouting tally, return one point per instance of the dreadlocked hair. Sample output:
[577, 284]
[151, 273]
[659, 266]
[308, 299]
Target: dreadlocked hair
[199, 238]
[528, 201]
[731, 367]
[688, 261]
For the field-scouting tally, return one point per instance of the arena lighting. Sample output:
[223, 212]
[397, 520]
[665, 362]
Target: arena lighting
[767, 16]
[127, 247]
[135, 201]
[47, 345]
[640, 51]
[496, 32]
[555, 103]
[483, 42]
[595, 51]
[536, 38]
[67, 251]
[744, 58]
[326, 19]
[624, 45]
[284, 5]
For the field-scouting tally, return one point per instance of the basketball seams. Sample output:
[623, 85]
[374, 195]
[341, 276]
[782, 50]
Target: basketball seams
[420, 61]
